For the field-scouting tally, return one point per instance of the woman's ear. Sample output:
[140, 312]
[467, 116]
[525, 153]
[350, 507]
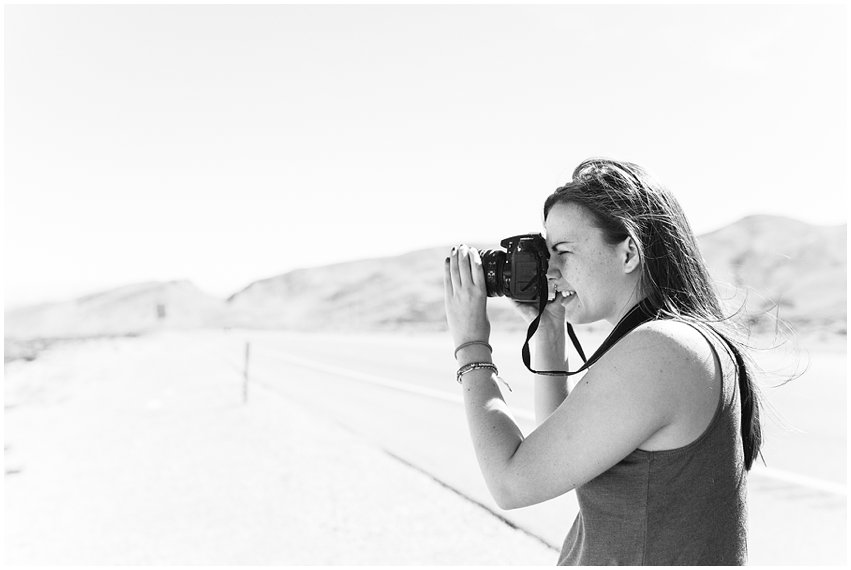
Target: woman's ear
[630, 255]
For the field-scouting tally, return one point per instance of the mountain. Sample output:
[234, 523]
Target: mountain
[132, 309]
[769, 263]
[773, 264]
[762, 265]
[405, 291]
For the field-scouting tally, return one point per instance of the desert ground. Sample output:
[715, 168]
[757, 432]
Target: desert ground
[338, 449]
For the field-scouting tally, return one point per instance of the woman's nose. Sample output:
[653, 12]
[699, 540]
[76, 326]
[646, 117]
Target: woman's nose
[553, 272]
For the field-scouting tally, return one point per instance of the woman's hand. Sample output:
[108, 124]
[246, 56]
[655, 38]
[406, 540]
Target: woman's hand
[552, 317]
[465, 296]
[553, 313]
[549, 341]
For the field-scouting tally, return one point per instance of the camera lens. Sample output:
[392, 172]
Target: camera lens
[493, 264]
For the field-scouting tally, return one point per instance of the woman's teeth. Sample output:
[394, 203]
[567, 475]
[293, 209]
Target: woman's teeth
[567, 293]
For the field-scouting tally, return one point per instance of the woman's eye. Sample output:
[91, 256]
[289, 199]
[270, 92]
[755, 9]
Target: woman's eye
[562, 252]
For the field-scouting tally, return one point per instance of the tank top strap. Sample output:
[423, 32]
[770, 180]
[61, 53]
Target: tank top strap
[728, 367]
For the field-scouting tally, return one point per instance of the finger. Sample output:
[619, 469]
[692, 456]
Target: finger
[447, 279]
[453, 270]
[464, 266]
[551, 290]
[477, 269]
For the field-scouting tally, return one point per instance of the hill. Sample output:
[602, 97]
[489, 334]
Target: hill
[782, 266]
[132, 309]
[771, 264]
[764, 266]
[402, 292]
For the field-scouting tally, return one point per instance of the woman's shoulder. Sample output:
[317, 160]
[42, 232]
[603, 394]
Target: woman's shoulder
[672, 361]
[679, 337]
[666, 348]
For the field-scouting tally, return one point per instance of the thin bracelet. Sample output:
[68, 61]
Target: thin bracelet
[471, 343]
[481, 365]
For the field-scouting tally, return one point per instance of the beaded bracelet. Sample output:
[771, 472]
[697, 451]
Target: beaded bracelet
[471, 343]
[481, 365]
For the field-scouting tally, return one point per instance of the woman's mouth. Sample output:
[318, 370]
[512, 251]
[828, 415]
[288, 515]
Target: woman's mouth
[567, 296]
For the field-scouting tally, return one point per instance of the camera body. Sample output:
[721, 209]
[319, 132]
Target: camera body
[520, 271]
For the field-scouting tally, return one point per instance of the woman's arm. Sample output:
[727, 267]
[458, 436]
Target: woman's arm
[493, 429]
[622, 400]
[548, 353]
[630, 394]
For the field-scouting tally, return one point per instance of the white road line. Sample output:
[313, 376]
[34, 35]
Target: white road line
[777, 474]
[386, 382]
[370, 378]
[801, 480]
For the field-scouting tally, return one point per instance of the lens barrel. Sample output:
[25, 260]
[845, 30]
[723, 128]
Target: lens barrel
[494, 263]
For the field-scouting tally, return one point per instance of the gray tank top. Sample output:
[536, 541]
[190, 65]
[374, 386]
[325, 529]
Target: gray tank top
[684, 506]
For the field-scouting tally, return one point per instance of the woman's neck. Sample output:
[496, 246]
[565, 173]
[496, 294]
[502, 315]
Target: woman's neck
[630, 299]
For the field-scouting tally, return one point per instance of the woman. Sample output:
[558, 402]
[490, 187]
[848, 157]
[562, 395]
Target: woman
[657, 436]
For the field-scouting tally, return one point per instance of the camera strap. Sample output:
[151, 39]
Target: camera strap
[642, 312]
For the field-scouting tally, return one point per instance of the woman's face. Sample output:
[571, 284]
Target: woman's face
[592, 273]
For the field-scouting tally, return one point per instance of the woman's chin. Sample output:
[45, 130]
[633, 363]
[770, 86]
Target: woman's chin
[574, 315]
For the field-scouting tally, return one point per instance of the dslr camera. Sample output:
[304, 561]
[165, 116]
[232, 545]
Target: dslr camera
[519, 272]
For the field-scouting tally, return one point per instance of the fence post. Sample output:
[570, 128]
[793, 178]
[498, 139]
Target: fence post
[245, 375]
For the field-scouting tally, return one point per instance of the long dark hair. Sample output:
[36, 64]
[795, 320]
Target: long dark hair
[625, 201]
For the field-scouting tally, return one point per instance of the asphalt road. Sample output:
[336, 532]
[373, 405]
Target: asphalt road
[143, 452]
[399, 393]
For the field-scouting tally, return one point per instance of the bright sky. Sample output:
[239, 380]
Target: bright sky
[226, 144]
